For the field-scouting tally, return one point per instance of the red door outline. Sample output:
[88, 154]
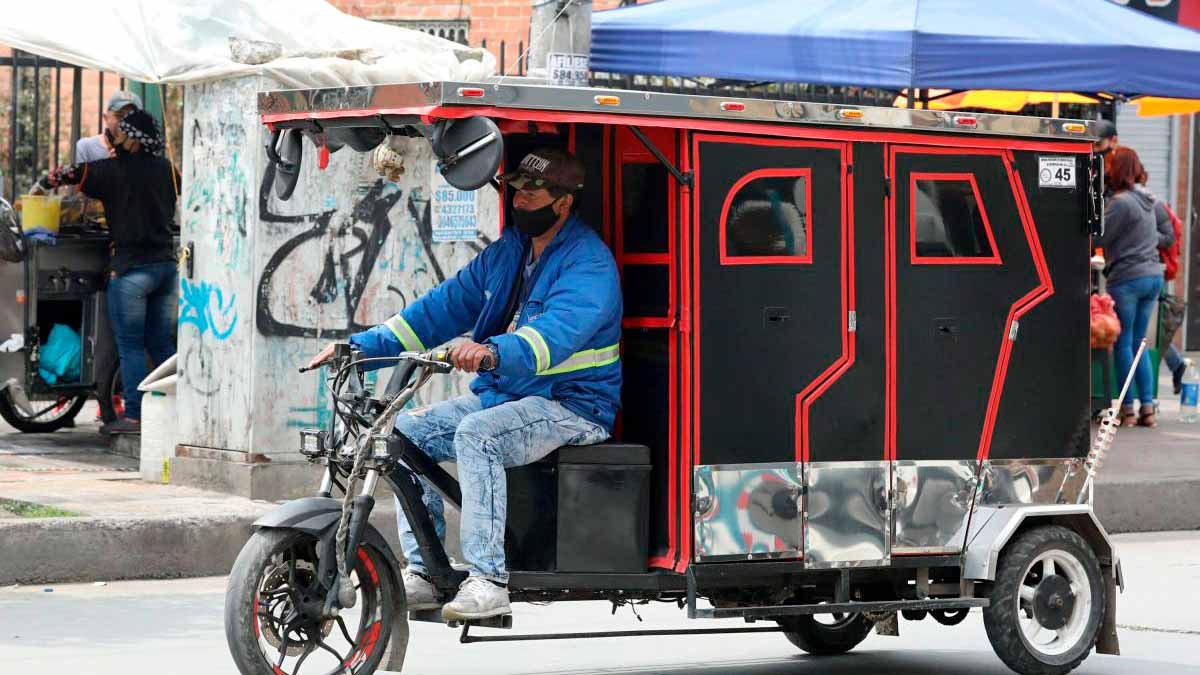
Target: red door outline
[1019, 308]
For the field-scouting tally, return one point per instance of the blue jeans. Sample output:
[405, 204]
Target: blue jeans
[141, 309]
[484, 443]
[1173, 359]
[1135, 301]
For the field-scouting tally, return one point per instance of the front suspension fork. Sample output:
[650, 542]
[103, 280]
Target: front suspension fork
[405, 478]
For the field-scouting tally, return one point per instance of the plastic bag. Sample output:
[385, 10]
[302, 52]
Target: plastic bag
[1105, 324]
[12, 242]
[1171, 311]
[61, 355]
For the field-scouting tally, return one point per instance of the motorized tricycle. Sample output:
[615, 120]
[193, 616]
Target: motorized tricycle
[856, 383]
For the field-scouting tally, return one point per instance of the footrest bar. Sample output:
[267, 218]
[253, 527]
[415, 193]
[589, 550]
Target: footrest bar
[839, 608]
[467, 638]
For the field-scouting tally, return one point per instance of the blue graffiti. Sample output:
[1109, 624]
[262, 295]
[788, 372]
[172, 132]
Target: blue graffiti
[204, 306]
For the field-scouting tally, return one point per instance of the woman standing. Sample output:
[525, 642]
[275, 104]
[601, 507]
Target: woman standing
[1134, 275]
[139, 189]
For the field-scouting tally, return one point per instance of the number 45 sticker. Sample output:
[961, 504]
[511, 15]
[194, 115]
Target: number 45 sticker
[1056, 172]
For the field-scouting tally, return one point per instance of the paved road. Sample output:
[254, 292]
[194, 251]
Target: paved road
[175, 627]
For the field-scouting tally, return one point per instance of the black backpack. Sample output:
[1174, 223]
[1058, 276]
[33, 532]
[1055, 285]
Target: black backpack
[12, 240]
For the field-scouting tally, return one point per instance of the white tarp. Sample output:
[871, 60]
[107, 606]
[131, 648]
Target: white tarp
[300, 43]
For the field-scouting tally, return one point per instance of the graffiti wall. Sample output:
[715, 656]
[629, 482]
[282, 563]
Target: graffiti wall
[274, 281]
[216, 303]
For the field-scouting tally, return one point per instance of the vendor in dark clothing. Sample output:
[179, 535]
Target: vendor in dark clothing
[138, 188]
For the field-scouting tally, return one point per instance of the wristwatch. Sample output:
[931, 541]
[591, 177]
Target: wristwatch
[495, 356]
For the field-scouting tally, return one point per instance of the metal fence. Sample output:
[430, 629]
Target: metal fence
[44, 114]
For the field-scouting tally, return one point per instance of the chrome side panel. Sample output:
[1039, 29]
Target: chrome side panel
[932, 506]
[1031, 481]
[847, 518]
[748, 512]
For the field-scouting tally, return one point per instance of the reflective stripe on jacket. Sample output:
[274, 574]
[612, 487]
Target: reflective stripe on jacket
[566, 346]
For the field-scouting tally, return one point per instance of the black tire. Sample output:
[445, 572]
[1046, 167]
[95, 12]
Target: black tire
[248, 629]
[107, 386]
[42, 424]
[1074, 564]
[827, 639]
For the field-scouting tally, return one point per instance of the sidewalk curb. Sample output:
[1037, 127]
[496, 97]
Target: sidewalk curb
[101, 549]
[1149, 506]
[61, 550]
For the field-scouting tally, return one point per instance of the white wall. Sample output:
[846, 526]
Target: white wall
[274, 281]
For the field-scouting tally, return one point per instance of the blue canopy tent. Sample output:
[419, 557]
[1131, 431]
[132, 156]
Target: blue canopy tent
[1050, 45]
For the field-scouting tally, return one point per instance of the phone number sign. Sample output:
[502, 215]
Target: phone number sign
[568, 70]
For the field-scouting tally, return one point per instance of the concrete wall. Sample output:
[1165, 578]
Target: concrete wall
[273, 281]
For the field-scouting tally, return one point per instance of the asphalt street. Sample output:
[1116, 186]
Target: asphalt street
[175, 627]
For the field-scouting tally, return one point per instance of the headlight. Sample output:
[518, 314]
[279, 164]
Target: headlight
[312, 442]
[379, 446]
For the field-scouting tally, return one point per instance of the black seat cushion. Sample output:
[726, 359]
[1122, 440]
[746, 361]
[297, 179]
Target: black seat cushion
[601, 453]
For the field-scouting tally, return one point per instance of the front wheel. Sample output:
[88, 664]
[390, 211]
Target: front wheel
[1047, 603]
[826, 634]
[272, 598]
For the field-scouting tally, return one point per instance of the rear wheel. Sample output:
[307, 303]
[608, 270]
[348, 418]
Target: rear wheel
[49, 412]
[270, 607]
[826, 634]
[1047, 602]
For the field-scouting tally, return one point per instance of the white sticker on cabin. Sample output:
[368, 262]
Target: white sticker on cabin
[454, 213]
[567, 70]
[1056, 172]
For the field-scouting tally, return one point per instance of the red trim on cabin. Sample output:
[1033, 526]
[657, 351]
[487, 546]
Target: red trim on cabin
[827, 377]
[913, 257]
[648, 258]
[1018, 309]
[648, 322]
[849, 343]
[806, 258]
[929, 137]
[690, 312]
[1021, 307]
[889, 309]
[628, 150]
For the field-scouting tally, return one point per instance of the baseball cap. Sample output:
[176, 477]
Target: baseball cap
[122, 98]
[544, 167]
[1105, 129]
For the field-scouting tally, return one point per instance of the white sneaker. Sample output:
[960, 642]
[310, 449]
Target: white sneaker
[419, 592]
[477, 598]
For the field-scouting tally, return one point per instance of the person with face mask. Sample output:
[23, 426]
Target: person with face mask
[543, 307]
[101, 146]
[139, 188]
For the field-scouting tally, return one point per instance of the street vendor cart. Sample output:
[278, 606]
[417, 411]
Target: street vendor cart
[856, 381]
[57, 289]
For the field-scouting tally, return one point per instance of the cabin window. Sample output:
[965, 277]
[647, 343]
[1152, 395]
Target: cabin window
[949, 224]
[766, 218]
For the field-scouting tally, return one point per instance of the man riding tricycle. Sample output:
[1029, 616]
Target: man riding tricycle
[769, 360]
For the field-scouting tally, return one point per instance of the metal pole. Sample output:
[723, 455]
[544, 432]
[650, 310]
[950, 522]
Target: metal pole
[57, 108]
[76, 108]
[558, 27]
[37, 109]
[100, 116]
[12, 126]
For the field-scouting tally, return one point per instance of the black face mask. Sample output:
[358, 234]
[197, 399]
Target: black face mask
[535, 223]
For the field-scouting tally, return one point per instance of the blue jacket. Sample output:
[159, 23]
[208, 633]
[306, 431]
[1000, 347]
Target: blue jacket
[566, 346]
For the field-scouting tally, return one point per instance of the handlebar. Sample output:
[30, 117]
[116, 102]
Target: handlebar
[437, 359]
